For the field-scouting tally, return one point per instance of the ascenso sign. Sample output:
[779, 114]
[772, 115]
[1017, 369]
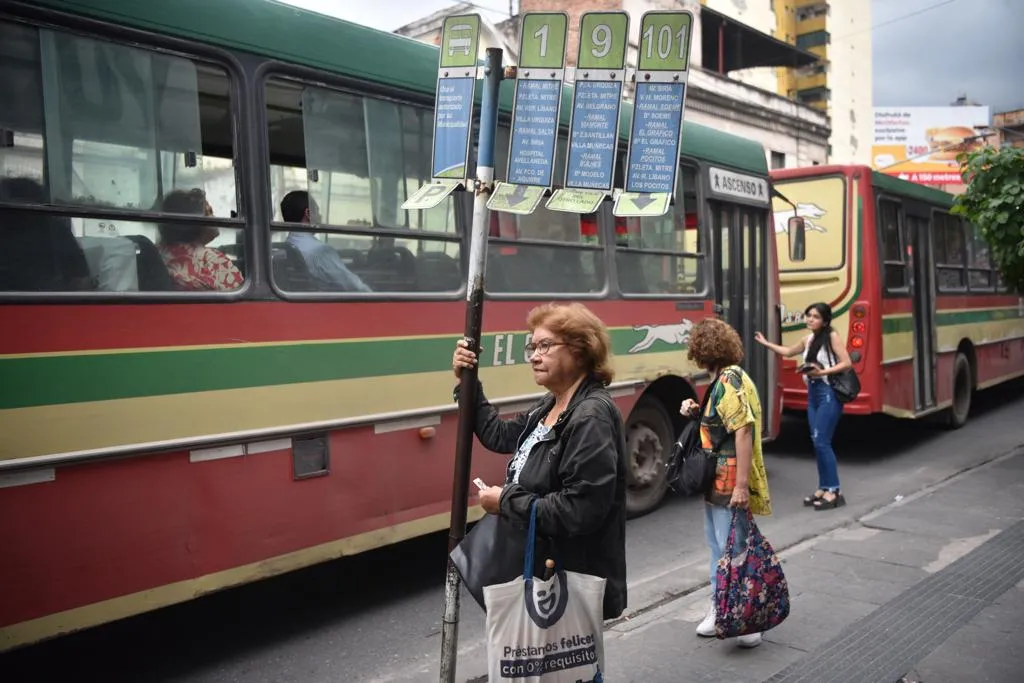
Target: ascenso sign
[738, 185]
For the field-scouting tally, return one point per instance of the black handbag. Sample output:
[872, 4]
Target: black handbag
[845, 384]
[492, 552]
[692, 468]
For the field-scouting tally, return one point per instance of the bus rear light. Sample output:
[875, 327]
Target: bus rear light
[858, 331]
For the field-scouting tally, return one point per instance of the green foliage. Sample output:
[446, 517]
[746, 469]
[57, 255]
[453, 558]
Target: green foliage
[994, 203]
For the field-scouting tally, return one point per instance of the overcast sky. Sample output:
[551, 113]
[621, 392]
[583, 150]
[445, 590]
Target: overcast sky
[926, 52]
[958, 47]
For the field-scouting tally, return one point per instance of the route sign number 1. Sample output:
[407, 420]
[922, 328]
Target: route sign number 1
[535, 113]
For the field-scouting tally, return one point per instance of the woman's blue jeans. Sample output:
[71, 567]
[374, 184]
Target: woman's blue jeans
[717, 523]
[823, 413]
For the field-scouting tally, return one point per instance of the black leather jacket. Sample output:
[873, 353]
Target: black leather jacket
[577, 475]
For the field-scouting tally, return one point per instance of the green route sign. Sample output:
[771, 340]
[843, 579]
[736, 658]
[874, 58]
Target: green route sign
[429, 196]
[603, 40]
[655, 135]
[572, 200]
[460, 38]
[643, 204]
[535, 112]
[542, 41]
[664, 41]
[453, 111]
[597, 100]
[520, 199]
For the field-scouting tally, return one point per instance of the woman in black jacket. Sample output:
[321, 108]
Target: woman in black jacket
[569, 450]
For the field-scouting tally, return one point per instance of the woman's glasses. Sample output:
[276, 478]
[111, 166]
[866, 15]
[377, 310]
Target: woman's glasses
[544, 346]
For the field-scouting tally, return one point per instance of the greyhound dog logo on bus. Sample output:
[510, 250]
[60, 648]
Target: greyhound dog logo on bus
[675, 334]
[809, 212]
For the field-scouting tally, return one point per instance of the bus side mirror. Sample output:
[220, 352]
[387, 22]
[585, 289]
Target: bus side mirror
[797, 246]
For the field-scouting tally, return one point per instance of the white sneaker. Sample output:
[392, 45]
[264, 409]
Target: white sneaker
[706, 628]
[749, 640]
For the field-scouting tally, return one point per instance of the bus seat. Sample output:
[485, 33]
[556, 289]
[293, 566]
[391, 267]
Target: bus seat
[153, 274]
[390, 269]
[438, 272]
[528, 271]
[289, 268]
[632, 279]
[573, 277]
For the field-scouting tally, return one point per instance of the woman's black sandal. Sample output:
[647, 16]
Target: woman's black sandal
[813, 498]
[837, 501]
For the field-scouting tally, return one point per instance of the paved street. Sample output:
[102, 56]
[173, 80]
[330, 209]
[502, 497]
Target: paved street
[376, 617]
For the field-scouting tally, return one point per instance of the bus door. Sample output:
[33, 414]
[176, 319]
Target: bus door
[922, 293]
[740, 280]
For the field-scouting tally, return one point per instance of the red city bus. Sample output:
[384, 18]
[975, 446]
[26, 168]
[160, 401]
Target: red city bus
[925, 315]
[159, 444]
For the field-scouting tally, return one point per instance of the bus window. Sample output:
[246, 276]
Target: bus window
[97, 125]
[550, 252]
[979, 260]
[663, 255]
[893, 241]
[341, 166]
[950, 252]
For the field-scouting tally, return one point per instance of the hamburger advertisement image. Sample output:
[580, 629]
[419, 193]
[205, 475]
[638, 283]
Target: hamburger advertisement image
[921, 144]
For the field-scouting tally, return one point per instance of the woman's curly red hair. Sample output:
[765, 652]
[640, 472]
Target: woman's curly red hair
[714, 344]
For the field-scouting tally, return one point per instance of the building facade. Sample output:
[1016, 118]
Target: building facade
[841, 83]
[1009, 126]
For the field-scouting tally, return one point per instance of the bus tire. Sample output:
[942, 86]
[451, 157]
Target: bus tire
[649, 439]
[962, 391]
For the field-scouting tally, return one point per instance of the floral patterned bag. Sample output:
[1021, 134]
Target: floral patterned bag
[751, 596]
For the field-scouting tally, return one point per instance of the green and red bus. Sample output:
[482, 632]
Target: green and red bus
[159, 443]
[926, 318]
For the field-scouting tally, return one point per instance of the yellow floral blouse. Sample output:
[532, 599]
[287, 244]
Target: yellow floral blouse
[735, 404]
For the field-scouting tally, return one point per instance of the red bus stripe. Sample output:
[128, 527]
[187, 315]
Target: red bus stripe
[63, 328]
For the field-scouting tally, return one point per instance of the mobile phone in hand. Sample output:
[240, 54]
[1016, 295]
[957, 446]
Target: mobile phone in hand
[480, 483]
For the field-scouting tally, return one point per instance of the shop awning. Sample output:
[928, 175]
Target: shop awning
[729, 45]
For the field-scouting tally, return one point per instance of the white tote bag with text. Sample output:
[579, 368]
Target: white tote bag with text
[545, 631]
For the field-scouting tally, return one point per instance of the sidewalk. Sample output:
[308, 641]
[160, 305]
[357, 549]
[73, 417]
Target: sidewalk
[929, 589]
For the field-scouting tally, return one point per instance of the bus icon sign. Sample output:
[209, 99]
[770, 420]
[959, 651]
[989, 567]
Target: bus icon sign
[460, 37]
[462, 43]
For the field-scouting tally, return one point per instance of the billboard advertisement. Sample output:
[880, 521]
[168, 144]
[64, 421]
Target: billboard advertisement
[920, 144]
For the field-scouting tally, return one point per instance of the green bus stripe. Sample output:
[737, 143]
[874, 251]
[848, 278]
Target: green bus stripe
[897, 325]
[905, 323]
[943, 318]
[50, 380]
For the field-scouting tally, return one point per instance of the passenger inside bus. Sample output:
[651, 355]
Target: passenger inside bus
[38, 253]
[322, 260]
[193, 265]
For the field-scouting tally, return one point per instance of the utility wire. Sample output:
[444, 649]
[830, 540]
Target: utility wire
[896, 19]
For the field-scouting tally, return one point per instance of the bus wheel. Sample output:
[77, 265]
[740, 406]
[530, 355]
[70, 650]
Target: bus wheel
[649, 437]
[962, 391]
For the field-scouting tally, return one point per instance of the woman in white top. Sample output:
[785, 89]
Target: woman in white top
[824, 354]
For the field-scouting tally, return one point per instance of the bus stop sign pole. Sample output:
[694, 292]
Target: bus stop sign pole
[468, 379]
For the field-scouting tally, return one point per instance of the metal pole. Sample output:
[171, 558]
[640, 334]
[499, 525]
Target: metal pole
[468, 382]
